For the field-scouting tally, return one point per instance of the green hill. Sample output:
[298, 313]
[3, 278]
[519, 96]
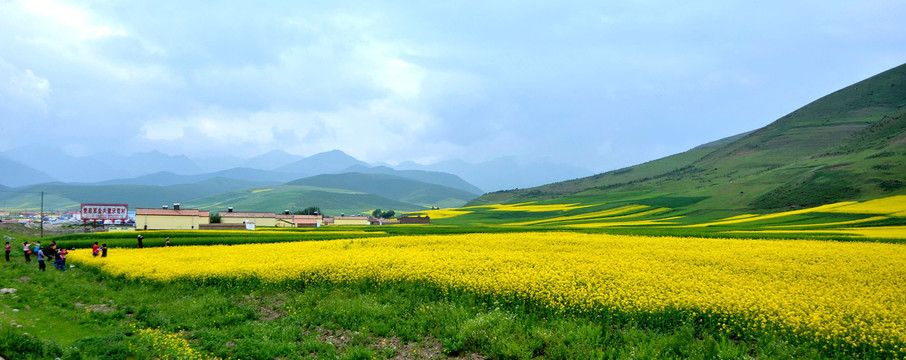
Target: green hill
[848, 145]
[292, 197]
[392, 187]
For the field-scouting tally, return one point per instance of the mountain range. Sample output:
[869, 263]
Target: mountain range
[333, 181]
[30, 166]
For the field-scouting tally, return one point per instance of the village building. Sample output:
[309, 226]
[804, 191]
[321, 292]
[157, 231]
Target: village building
[257, 218]
[287, 220]
[415, 219]
[351, 220]
[382, 221]
[170, 219]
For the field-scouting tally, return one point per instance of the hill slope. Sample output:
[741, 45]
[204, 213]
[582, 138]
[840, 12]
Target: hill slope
[291, 197]
[392, 187]
[431, 177]
[848, 145]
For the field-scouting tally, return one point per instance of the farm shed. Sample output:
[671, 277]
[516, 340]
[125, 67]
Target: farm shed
[170, 219]
[258, 218]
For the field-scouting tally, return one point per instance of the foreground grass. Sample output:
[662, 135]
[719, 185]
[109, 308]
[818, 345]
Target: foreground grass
[83, 314]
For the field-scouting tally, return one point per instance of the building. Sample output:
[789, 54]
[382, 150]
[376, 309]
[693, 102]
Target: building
[382, 221]
[415, 219]
[351, 220]
[258, 218]
[287, 220]
[170, 219]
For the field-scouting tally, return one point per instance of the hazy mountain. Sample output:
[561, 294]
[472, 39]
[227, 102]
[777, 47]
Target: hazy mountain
[289, 197]
[848, 145]
[271, 160]
[59, 196]
[163, 178]
[154, 161]
[431, 177]
[329, 162]
[392, 187]
[89, 169]
[503, 173]
[15, 174]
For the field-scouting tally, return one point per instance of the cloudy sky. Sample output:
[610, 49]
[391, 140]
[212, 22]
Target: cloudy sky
[597, 84]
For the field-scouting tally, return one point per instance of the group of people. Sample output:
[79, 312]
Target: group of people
[58, 254]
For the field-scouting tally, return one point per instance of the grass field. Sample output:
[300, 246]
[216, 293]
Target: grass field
[631, 279]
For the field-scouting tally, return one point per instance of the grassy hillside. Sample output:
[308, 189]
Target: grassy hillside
[431, 177]
[391, 187]
[848, 145]
[291, 197]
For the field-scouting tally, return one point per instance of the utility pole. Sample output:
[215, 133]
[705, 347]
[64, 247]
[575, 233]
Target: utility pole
[42, 214]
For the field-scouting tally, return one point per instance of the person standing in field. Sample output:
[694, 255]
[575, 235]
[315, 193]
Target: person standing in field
[40, 255]
[26, 251]
[63, 259]
[57, 260]
[94, 249]
[167, 243]
[140, 238]
[8, 248]
[104, 250]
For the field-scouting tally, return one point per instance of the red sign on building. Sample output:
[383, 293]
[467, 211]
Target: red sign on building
[105, 212]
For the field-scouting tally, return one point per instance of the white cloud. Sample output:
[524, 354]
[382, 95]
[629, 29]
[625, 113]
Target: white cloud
[78, 21]
[371, 131]
[24, 86]
[29, 86]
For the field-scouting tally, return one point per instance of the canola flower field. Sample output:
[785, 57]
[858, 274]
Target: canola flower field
[845, 297]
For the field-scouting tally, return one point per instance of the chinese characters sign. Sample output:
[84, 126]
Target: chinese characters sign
[105, 212]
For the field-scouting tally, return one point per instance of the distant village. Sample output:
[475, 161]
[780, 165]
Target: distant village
[116, 217]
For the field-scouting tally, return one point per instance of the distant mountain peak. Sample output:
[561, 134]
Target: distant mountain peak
[327, 162]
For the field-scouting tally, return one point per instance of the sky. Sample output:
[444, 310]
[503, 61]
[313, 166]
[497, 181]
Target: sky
[595, 84]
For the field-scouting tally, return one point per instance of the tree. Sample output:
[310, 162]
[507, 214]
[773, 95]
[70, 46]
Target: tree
[383, 214]
[311, 210]
[214, 218]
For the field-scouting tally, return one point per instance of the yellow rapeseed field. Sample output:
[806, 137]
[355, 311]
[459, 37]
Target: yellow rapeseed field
[520, 207]
[847, 296]
[879, 232]
[891, 205]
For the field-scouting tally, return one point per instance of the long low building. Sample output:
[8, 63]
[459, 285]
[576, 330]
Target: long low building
[351, 220]
[170, 219]
[269, 219]
[286, 220]
[258, 218]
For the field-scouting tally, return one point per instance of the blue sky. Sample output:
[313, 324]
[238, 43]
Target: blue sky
[601, 84]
